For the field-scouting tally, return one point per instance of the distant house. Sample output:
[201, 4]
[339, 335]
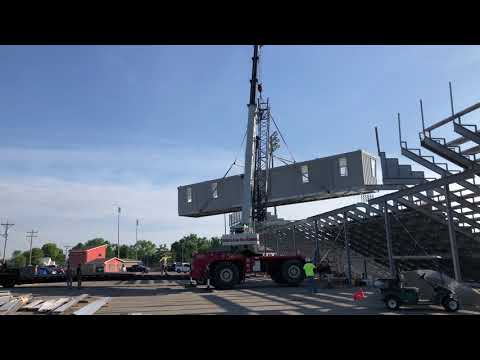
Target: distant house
[94, 260]
[103, 265]
[47, 261]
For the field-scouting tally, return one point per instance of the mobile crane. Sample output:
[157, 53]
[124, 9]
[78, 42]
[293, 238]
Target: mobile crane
[240, 255]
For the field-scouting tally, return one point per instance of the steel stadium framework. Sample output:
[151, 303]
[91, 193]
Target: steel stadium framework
[425, 223]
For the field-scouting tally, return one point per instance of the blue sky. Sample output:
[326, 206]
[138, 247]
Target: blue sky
[87, 127]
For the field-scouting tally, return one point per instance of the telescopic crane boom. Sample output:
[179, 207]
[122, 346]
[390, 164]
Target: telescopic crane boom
[250, 149]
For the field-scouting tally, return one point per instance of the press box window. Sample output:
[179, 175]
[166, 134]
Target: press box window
[214, 190]
[342, 162]
[373, 165]
[305, 176]
[189, 194]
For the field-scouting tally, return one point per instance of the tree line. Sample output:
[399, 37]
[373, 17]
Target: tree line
[22, 258]
[144, 250]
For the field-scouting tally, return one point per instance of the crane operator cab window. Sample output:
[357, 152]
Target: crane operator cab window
[305, 176]
[342, 162]
[214, 190]
[189, 194]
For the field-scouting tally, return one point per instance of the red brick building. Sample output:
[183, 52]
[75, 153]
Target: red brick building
[82, 257]
[95, 260]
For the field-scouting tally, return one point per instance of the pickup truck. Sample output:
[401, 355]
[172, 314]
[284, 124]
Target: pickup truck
[182, 267]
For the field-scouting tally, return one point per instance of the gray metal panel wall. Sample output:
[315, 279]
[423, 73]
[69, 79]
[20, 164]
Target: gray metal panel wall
[369, 177]
[286, 185]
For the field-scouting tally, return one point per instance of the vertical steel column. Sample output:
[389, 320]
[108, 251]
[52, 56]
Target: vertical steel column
[391, 263]
[347, 248]
[317, 248]
[278, 244]
[423, 119]
[365, 267]
[451, 230]
[294, 242]
[452, 236]
[399, 129]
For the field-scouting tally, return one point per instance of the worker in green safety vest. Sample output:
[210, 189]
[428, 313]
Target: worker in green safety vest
[309, 269]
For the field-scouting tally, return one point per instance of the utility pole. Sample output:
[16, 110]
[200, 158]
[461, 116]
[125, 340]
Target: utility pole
[136, 232]
[7, 225]
[31, 235]
[136, 240]
[118, 233]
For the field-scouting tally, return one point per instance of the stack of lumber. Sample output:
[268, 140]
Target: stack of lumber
[93, 307]
[5, 297]
[16, 305]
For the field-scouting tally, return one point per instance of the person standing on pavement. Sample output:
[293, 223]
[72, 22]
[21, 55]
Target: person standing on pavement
[310, 275]
[68, 275]
[165, 267]
[79, 276]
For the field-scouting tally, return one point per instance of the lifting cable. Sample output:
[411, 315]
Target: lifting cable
[437, 264]
[286, 162]
[236, 156]
[409, 234]
[283, 139]
[207, 202]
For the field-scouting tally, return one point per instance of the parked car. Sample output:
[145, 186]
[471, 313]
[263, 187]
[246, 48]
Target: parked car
[53, 269]
[44, 271]
[182, 267]
[138, 268]
[171, 267]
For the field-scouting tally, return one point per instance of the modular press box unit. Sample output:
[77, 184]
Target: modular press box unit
[334, 176]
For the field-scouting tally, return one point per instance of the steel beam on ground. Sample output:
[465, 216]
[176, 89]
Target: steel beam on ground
[93, 307]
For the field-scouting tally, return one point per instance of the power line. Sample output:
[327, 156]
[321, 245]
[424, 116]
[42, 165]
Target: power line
[7, 225]
[31, 235]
